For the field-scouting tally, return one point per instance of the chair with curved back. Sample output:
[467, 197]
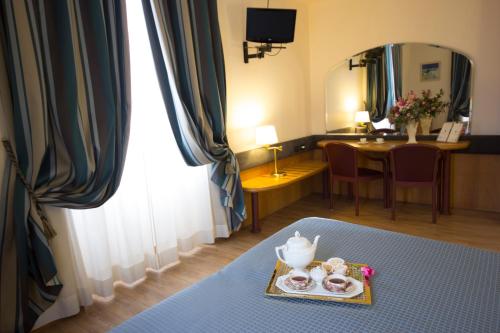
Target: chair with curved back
[343, 166]
[416, 165]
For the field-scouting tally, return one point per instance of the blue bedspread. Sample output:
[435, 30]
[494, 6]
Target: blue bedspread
[421, 286]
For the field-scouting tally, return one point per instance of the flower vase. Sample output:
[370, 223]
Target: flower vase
[411, 129]
[425, 123]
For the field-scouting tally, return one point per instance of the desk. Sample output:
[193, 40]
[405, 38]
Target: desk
[266, 182]
[384, 148]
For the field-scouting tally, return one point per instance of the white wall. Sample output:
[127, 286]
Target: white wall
[339, 29]
[273, 90]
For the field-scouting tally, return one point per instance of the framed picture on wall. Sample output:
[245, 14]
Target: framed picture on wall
[430, 71]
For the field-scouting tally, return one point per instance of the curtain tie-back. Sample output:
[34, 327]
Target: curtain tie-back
[48, 230]
[230, 168]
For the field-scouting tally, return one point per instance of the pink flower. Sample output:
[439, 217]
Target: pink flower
[367, 272]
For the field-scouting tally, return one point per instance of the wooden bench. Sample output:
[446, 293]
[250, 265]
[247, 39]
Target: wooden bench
[266, 182]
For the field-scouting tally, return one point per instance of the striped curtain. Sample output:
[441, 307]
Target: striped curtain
[460, 87]
[398, 69]
[64, 102]
[187, 49]
[384, 80]
[376, 80]
[390, 99]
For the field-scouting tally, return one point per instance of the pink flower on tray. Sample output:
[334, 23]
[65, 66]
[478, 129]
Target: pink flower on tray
[367, 272]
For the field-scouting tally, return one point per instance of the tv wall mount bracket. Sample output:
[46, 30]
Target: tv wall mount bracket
[262, 49]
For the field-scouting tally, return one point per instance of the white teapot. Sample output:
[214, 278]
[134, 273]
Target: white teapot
[298, 252]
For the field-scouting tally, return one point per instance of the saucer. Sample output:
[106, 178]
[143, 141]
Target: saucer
[351, 286]
[310, 284]
[379, 143]
[363, 143]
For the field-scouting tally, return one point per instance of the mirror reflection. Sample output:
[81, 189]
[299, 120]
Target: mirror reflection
[361, 91]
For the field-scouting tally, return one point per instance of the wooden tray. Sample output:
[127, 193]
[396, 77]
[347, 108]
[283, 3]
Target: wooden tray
[354, 271]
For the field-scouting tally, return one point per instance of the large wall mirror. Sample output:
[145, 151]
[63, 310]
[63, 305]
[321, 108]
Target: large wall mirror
[373, 80]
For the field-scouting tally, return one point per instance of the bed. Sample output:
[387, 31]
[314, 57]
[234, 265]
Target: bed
[421, 285]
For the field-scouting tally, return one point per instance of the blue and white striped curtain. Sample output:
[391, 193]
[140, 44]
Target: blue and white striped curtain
[64, 102]
[187, 49]
[384, 80]
[397, 65]
[375, 87]
[390, 82]
[459, 87]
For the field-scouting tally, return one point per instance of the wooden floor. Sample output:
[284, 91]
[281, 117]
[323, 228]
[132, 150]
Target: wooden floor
[471, 228]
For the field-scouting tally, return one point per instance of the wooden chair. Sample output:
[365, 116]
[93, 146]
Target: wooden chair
[343, 166]
[416, 165]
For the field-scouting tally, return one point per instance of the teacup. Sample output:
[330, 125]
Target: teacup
[362, 140]
[340, 269]
[299, 279]
[380, 140]
[336, 261]
[336, 282]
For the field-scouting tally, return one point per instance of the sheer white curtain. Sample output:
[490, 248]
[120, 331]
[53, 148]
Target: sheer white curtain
[161, 208]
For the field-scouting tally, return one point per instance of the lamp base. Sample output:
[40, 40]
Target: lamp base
[359, 129]
[277, 173]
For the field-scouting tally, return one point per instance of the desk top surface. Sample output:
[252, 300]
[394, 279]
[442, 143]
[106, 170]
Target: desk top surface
[389, 144]
[294, 173]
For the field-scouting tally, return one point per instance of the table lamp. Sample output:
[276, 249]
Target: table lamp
[362, 117]
[266, 136]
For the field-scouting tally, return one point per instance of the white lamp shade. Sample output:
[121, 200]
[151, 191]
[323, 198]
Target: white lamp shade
[266, 135]
[362, 117]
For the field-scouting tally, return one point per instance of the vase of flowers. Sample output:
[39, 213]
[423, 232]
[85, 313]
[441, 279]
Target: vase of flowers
[429, 107]
[425, 124]
[411, 129]
[407, 112]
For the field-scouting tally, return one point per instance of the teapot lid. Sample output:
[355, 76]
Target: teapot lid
[298, 242]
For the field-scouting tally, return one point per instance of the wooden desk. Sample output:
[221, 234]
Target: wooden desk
[371, 146]
[385, 147]
[267, 182]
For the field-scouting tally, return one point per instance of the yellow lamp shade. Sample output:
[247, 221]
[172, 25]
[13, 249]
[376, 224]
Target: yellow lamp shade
[362, 117]
[266, 135]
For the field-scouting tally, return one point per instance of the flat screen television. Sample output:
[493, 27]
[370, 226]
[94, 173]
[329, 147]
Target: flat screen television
[266, 25]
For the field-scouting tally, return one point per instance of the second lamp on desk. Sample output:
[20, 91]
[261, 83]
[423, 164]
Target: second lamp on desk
[266, 136]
